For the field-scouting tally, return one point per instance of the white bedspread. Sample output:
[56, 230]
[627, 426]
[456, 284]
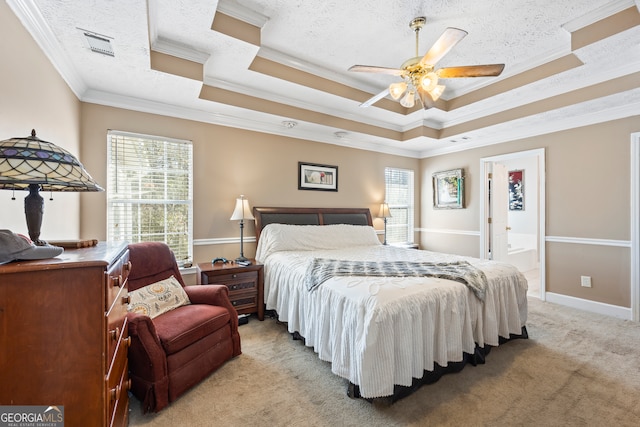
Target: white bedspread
[381, 331]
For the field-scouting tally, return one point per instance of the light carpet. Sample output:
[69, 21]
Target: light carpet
[576, 369]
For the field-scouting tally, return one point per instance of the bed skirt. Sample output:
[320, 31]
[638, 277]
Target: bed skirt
[429, 377]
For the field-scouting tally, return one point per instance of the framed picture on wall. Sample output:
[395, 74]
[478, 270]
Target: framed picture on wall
[516, 190]
[313, 176]
[448, 189]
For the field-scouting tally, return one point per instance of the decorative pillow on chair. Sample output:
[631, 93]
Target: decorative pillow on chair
[157, 298]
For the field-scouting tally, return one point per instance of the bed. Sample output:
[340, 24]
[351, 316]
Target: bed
[388, 319]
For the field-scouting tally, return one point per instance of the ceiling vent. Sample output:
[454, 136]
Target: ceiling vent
[99, 44]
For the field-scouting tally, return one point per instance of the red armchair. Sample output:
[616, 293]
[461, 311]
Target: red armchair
[174, 351]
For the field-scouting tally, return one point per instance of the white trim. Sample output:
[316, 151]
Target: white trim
[635, 226]
[597, 15]
[587, 241]
[591, 306]
[484, 163]
[246, 120]
[449, 231]
[170, 47]
[222, 241]
[243, 13]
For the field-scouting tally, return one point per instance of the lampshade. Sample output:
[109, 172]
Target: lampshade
[436, 92]
[384, 211]
[397, 89]
[409, 99]
[30, 160]
[32, 164]
[242, 210]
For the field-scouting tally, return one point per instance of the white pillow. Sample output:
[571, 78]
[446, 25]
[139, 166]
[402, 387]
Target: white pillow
[157, 298]
[286, 237]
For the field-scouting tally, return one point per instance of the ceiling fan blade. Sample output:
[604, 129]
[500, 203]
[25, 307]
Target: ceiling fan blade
[375, 98]
[374, 69]
[489, 70]
[449, 38]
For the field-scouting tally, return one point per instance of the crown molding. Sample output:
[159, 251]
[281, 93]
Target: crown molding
[256, 121]
[243, 13]
[316, 70]
[530, 64]
[170, 47]
[296, 103]
[513, 133]
[30, 16]
[599, 14]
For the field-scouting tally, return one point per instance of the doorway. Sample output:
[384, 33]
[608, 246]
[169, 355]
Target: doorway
[513, 230]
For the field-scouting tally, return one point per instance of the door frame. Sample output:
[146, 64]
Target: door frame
[635, 226]
[485, 166]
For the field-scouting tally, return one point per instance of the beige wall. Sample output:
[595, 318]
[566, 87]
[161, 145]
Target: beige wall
[34, 96]
[588, 191]
[229, 162]
[588, 173]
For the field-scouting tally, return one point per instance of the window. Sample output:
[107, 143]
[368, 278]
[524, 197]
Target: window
[150, 191]
[399, 192]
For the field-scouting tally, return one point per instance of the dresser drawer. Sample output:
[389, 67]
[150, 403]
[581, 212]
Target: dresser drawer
[117, 324]
[117, 380]
[116, 278]
[118, 414]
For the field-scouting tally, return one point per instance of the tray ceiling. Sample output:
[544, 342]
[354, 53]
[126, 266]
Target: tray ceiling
[280, 66]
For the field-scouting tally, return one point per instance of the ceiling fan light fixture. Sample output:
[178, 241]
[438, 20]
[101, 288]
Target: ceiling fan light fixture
[419, 78]
[397, 89]
[429, 81]
[409, 100]
[436, 92]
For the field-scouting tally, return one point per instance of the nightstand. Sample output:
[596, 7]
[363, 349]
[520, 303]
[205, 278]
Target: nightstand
[246, 284]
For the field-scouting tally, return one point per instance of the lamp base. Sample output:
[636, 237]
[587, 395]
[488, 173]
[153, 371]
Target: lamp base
[34, 211]
[243, 259]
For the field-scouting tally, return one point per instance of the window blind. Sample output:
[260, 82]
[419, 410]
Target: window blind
[399, 197]
[150, 191]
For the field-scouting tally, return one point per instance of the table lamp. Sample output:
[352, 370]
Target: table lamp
[32, 164]
[240, 213]
[384, 213]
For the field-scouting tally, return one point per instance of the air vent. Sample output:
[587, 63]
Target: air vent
[99, 44]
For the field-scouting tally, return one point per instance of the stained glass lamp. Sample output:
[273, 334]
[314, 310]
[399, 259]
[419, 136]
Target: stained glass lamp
[32, 164]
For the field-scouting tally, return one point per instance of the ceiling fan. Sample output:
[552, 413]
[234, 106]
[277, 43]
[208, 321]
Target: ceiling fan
[419, 77]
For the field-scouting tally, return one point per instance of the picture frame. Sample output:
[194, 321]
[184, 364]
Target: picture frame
[516, 190]
[313, 176]
[448, 189]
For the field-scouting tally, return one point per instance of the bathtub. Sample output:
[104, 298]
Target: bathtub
[524, 259]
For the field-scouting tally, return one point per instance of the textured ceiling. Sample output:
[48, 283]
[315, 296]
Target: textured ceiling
[547, 85]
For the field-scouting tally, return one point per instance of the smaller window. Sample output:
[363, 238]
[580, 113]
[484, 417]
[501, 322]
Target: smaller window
[150, 191]
[399, 197]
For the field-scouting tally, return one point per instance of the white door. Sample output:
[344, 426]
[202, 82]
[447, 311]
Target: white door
[499, 211]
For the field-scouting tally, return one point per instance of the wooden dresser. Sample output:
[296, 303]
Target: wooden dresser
[63, 334]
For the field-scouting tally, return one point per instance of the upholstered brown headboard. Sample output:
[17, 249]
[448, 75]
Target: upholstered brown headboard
[310, 216]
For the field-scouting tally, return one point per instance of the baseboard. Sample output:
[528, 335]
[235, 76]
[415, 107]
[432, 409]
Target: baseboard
[592, 306]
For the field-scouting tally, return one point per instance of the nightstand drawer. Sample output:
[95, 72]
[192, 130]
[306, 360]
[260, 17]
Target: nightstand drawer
[233, 278]
[246, 302]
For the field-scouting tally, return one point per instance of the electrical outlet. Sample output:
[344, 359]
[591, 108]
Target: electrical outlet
[585, 281]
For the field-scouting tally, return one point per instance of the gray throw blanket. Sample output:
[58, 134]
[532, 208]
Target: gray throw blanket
[322, 269]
